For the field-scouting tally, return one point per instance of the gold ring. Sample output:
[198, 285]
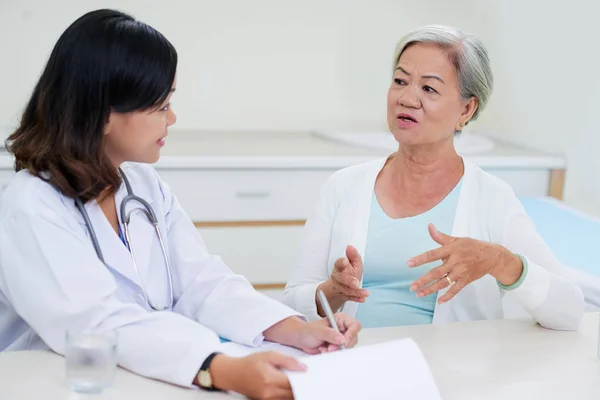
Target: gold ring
[448, 279]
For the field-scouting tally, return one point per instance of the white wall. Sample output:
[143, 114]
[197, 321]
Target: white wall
[547, 93]
[584, 157]
[245, 64]
[282, 64]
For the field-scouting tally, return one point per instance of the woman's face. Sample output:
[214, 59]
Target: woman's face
[424, 103]
[138, 136]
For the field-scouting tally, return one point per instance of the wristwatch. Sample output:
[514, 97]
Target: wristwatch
[204, 377]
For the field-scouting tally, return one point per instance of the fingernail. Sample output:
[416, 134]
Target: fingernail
[413, 288]
[356, 282]
[303, 367]
[411, 263]
[420, 294]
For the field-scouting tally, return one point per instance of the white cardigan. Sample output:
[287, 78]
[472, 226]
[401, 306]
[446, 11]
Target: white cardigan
[487, 210]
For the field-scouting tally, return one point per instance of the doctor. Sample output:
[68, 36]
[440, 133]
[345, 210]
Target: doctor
[78, 250]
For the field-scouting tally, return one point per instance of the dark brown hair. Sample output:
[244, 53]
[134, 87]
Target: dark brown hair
[105, 61]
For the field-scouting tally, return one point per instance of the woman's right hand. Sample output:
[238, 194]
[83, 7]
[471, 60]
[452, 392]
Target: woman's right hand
[257, 376]
[344, 283]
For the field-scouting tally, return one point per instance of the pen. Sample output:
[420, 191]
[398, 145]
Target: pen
[328, 313]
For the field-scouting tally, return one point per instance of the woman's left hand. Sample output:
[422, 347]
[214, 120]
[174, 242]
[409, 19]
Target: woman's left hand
[464, 260]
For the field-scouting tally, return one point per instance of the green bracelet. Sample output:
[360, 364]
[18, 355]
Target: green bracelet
[521, 278]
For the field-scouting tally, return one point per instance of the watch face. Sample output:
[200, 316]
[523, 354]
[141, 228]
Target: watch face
[204, 379]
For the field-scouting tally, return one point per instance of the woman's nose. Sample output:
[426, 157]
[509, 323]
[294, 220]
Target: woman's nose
[171, 117]
[409, 97]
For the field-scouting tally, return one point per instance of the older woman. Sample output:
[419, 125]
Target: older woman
[423, 236]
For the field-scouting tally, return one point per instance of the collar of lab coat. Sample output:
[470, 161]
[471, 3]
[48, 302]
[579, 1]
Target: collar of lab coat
[143, 236]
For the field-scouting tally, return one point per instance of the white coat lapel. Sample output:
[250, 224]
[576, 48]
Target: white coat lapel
[116, 256]
[142, 234]
[145, 245]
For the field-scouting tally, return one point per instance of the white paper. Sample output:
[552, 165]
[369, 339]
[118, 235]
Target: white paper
[392, 370]
[239, 350]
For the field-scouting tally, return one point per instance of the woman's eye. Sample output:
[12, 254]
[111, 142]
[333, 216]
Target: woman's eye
[429, 89]
[166, 108]
[399, 81]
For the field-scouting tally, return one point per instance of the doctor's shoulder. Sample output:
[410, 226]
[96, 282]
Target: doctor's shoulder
[30, 195]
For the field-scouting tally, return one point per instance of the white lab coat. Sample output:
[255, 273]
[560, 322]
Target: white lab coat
[51, 280]
[487, 210]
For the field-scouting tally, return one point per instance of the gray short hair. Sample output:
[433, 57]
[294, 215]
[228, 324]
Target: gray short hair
[467, 54]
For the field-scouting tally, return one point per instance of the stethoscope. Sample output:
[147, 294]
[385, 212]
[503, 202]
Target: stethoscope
[125, 218]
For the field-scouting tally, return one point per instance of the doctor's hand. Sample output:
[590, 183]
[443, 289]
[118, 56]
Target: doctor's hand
[344, 283]
[257, 376]
[314, 337]
[464, 260]
[318, 336]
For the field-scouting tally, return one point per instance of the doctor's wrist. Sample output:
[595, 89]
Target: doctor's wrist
[221, 370]
[286, 331]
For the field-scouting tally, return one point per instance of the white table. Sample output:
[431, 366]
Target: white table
[506, 359]
[509, 359]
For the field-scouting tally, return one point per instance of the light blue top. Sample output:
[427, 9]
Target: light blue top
[390, 244]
